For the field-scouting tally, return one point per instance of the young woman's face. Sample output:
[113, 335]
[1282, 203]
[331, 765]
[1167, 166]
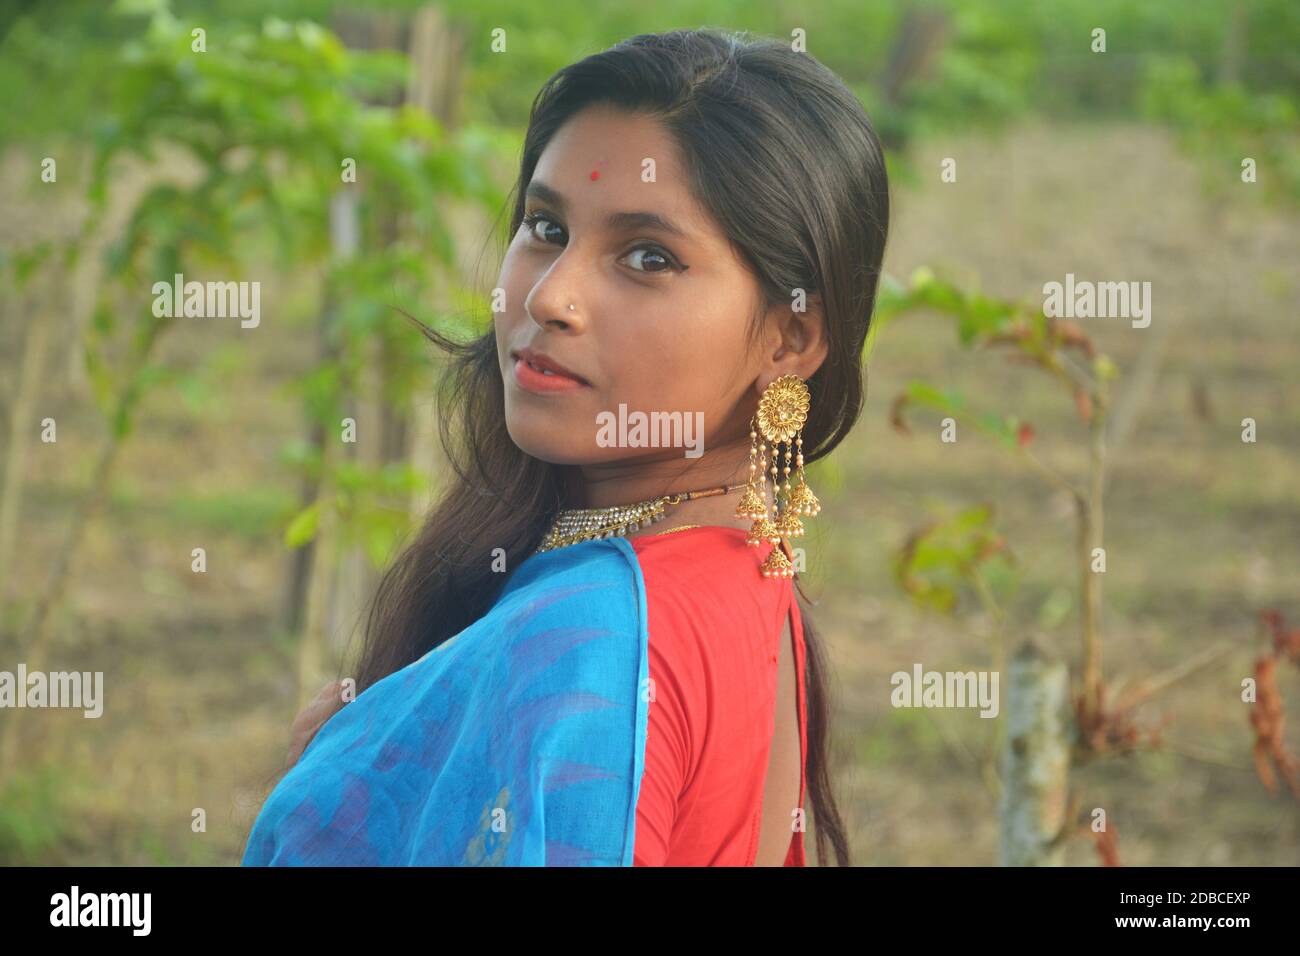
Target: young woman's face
[661, 305]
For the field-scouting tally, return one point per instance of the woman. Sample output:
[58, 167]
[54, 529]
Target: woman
[592, 652]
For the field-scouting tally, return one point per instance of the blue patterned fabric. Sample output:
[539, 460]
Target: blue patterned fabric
[518, 742]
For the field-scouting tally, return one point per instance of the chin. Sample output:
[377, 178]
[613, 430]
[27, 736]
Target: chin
[548, 441]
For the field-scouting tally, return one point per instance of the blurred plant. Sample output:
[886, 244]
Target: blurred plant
[270, 121]
[938, 559]
[1050, 345]
[933, 559]
[1224, 123]
[951, 556]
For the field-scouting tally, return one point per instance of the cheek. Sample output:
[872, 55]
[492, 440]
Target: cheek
[676, 375]
[693, 362]
[508, 310]
[511, 280]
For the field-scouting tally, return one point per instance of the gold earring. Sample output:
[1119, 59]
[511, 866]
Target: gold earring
[782, 411]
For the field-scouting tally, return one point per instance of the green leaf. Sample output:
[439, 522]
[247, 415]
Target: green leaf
[302, 528]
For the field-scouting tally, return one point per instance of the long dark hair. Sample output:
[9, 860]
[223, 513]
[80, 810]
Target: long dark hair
[783, 155]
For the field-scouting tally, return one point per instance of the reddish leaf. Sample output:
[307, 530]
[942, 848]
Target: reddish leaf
[1268, 718]
[1107, 848]
[896, 415]
[1286, 643]
[1071, 335]
[1083, 403]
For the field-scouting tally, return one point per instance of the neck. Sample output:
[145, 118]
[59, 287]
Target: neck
[641, 479]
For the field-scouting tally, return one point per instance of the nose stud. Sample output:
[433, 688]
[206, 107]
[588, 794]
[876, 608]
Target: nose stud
[570, 306]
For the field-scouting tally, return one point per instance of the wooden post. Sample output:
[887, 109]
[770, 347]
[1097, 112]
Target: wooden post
[1035, 760]
[23, 425]
[437, 63]
[318, 622]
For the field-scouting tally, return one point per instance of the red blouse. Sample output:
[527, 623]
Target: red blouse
[715, 624]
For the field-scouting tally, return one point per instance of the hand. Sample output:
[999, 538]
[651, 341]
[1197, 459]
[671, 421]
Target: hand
[323, 706]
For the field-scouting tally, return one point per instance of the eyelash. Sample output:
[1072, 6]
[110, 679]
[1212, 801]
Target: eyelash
[533, 218]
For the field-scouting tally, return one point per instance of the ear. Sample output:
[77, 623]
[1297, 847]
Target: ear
[794, 342]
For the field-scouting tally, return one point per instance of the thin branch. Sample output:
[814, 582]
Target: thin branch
[1190, 752]
[1150, 687]
[1052, 477]
[1090, 537]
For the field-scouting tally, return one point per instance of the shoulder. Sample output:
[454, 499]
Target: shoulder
[593, 588]
[705, 556]
[714, 622]
[584, 574]
[710, 575]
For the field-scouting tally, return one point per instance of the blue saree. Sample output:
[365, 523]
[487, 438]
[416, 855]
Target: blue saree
[518, 742]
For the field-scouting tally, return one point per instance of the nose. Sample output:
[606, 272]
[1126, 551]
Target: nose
[552, 304]
[566, 321]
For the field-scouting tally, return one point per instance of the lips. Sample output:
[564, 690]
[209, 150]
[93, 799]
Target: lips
[536, 372]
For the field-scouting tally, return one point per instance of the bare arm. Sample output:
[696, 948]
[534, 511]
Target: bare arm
[323, 706]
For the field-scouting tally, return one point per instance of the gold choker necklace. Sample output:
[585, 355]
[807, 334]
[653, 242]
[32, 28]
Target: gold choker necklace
[587, 524]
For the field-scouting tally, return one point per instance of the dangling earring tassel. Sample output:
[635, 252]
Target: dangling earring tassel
[752, 504]
[776, 565]
[789, 524]
[803, 501]
[756, 504]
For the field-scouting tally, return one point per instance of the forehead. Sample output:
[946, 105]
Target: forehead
[596, 161]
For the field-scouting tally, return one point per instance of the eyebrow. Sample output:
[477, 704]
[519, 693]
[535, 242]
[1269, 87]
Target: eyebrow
[625, 221]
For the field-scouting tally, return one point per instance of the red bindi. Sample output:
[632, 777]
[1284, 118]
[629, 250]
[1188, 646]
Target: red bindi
[595, 174]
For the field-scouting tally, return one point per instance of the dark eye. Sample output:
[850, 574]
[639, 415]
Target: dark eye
[532, 219]
[651, 253]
